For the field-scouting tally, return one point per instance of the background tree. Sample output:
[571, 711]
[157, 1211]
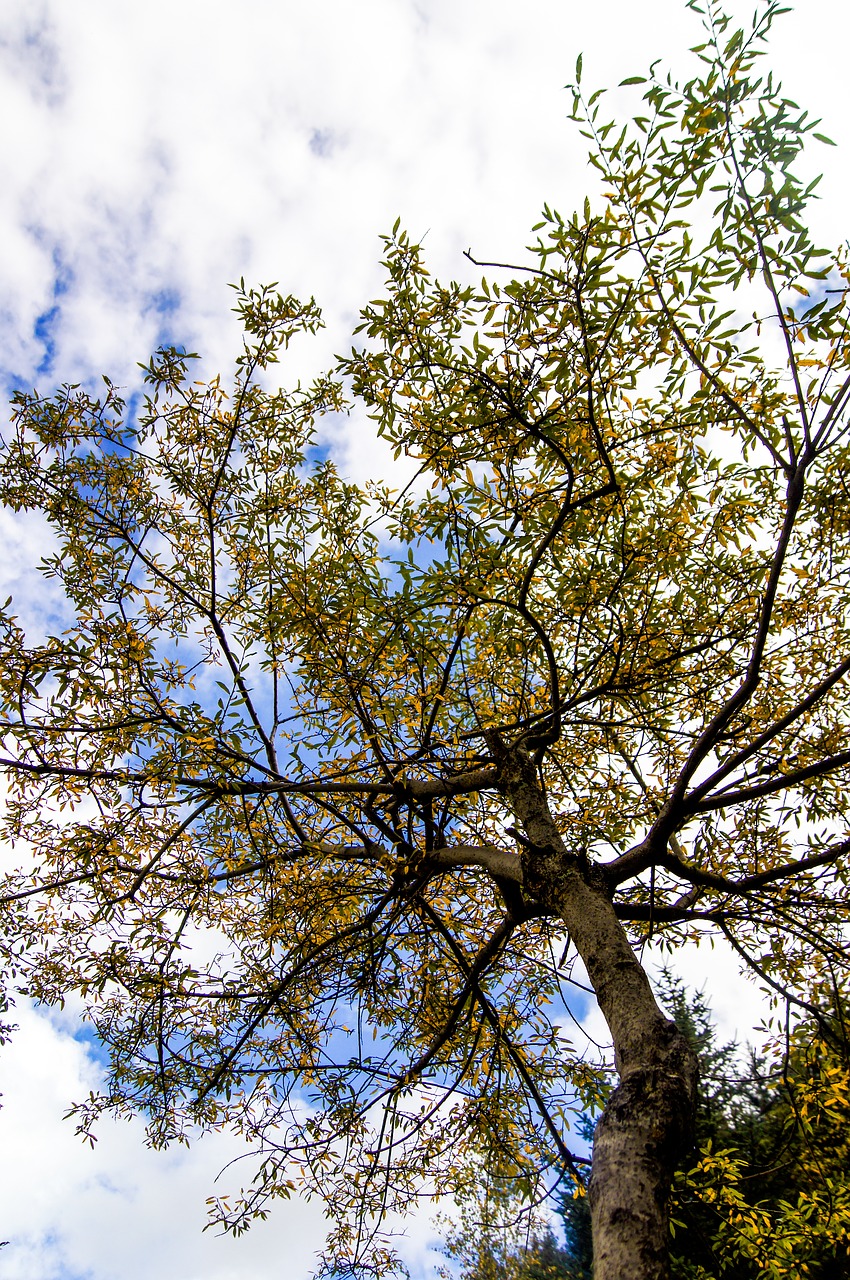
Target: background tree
[768, 1193]
[319, 782]
[495, 1236]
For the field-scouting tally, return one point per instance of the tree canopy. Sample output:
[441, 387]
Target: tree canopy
[324, 790]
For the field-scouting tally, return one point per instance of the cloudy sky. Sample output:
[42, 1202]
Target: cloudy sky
[152, 153]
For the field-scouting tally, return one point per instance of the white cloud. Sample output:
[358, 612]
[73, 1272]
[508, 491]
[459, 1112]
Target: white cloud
[162, 150]
[118, 1210]
[151, 153]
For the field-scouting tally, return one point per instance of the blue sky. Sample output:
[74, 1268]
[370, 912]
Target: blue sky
[153, 153]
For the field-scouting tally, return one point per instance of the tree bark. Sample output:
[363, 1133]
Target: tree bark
[648, 1121]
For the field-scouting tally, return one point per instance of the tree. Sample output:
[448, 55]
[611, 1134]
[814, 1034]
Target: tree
[494, 1236]
[319, 780]
[520, 1247]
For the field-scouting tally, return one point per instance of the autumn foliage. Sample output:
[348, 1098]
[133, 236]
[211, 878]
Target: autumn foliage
[324, 791]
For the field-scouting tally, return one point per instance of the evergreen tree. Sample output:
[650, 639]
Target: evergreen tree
[766, 1192]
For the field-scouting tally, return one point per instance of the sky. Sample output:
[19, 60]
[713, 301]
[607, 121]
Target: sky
[151, 154]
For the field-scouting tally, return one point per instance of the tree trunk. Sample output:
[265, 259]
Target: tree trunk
[649, 1119]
